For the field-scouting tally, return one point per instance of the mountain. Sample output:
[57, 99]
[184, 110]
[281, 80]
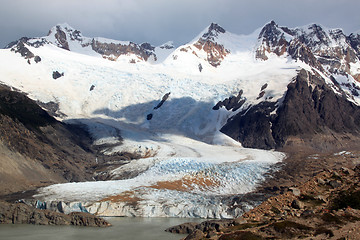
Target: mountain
[169, 125]
[237, 73]
[317, 100]
[208, 45]
[322, 48]
[68, 38]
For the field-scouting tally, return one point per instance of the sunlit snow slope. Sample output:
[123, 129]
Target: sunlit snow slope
[188, 166]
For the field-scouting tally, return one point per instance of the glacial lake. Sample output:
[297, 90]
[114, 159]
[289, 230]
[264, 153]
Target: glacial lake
[122, 229]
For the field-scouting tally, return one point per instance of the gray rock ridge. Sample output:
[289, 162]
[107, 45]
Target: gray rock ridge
[62, 35]
[310, 107]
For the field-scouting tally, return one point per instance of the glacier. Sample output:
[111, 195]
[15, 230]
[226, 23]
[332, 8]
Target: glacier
[180, 146]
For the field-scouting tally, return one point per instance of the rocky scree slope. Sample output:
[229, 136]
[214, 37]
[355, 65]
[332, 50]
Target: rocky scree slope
[325, 207]
[36, 149]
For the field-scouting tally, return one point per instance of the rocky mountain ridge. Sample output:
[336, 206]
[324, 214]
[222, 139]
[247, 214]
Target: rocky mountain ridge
[68, 38]
[330, 59]
[309, 107]
[325, 49]
[318, 46]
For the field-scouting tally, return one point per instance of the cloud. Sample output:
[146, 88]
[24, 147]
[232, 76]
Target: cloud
[157, 21]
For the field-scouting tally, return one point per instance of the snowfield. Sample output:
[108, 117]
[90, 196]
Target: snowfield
[188, 168]
[180, 145]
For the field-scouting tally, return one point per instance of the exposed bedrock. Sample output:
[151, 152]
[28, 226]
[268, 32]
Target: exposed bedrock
[310, 108]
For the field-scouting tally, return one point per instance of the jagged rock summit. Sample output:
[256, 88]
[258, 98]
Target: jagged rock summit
[325, 49]
[208, 43]
[68, 38]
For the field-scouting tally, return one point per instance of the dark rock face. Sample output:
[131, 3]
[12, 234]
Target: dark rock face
[185, 228]
[164, 98]
[37, 59]
[52, 151]
[147, 46]
[61, 38]
[252, 126]
[212, 225]
[107, 49]
[149, 116]
[25, 40]
[20, 108]
[14, 43]
[232, 102]
[273, 40]
[23, 214]
[213, 31]
[354, 40]
[23, 50]
[301, 52]
[312, 110]
[310, 107]
[57, 75]
[20, 46]
[52, 108]
[61, 34]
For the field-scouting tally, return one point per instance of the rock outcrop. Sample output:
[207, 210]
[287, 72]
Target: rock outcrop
[113, 50]
[215, 51]
[65, 37]
[310, 107]
[36, 149]
[319, 212]
[315, 45]
[232, 103]
[20, 213]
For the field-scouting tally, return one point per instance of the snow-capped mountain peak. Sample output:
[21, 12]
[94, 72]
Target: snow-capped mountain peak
[63, 34]
[208, 46]
[213, 31]
[167, 45]
[320, 47]
[66, 37]
[66, 28]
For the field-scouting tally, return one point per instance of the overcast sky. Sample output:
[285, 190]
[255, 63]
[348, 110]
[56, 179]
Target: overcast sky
[158, 21]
